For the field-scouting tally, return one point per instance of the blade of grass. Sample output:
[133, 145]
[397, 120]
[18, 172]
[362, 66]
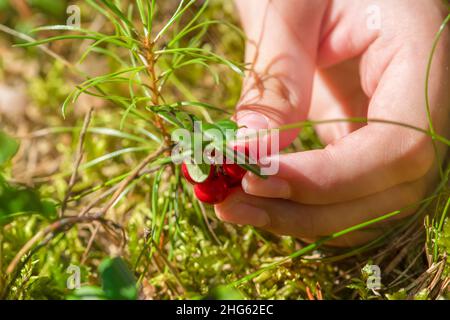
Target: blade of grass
[301, 124]
[95, 130]
[313, 246]
[427, 83]
[112, 155]
[155, 206]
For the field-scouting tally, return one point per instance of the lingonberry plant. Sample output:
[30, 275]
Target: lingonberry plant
[154, 57]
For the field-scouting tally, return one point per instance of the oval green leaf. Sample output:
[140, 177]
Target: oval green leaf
[198, 172]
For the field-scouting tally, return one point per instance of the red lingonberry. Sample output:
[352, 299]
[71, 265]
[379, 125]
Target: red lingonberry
[188, 177]
[186, 174]
[234, 174]
[232, 182]
[212, 191]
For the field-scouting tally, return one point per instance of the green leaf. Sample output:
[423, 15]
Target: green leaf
[8, 147]
[227, 125]
[178, 13]
[211, 132]
[18, 200]
[171, 118]
[221, 144]
[118, 13]
[198, 172]
[118, 282]
[204, 54]
[57, 38]
[186, 119]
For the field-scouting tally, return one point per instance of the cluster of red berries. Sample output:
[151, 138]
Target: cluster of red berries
[221, 179]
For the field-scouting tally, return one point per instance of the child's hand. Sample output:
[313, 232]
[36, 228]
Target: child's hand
[367, 59]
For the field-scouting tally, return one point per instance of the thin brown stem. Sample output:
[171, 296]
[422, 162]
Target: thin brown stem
[78, 159]
[136, 172]
[150, 62]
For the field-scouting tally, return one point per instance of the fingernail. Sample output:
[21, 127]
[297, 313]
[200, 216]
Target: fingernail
[252, 120]
[272, 187]
[244, 184]
[242, 213]
[250, 123]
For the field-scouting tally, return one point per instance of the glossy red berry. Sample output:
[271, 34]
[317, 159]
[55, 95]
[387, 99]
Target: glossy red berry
[186, 174]
[234, 174]
[232, 182]
[212, 191]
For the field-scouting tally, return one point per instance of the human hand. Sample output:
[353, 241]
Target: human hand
[366, 170]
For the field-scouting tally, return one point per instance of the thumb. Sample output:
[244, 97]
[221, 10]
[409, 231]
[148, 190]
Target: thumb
[281, 50]
[268, 112]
